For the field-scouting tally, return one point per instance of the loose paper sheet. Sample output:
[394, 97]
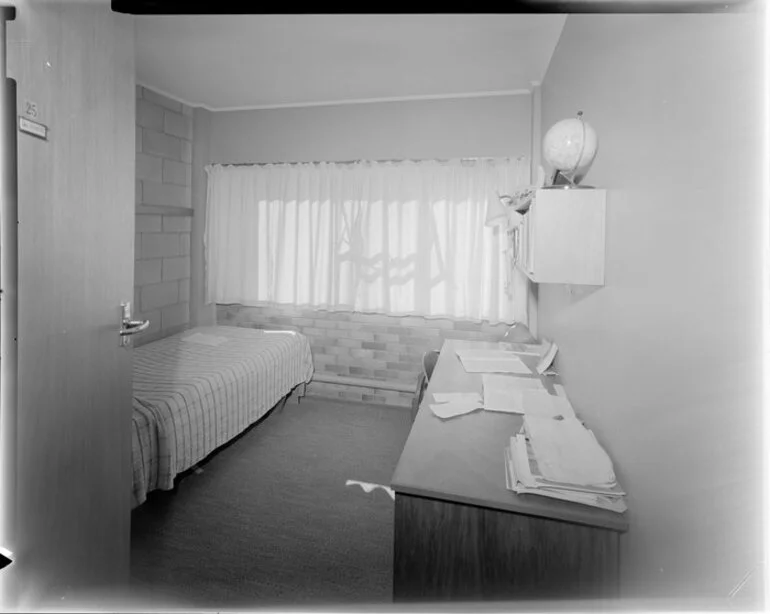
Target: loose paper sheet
[525, 349]
[491, 354]
[450, 397]
[451, 404]
[492, 361]
[369, 487]
[456, 408]
[511, 401]
[504, 392]
[495, 366]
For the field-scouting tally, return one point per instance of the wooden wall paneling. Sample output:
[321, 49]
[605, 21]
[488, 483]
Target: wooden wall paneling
[450, 551]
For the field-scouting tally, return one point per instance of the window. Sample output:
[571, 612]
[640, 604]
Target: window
[397, 238]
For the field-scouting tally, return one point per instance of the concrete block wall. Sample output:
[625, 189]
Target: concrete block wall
[164, 130]
[358, 345]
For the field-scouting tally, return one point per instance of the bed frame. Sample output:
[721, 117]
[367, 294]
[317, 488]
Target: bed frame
[196, 391]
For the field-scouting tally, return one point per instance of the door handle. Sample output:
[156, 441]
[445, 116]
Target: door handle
[128, 326]
[131, 327]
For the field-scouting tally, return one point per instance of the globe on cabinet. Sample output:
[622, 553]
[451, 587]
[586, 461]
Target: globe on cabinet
[570, 147]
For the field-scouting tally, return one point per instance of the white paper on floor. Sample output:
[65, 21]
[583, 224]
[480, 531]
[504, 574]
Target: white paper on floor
[369, 487]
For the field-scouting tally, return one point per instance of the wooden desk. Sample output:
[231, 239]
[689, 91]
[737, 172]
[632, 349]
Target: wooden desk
[461, 535]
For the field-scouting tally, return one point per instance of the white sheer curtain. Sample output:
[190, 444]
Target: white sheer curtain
[396, 238]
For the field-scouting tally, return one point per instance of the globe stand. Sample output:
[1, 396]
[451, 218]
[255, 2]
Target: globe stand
[562, 182]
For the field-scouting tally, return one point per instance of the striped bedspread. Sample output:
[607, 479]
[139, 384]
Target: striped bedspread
[197, 390]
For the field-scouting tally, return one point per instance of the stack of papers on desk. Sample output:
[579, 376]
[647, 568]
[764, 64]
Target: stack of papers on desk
[562, 459]
[451, 404]
[568, 452]
[526, 396]
[492, 361]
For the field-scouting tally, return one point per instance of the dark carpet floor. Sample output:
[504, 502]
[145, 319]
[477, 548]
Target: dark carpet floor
[270, 522]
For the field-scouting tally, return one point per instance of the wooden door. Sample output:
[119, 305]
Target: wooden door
[73, 63]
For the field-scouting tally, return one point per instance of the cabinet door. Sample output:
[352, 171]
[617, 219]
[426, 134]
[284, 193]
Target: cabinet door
[563, 237]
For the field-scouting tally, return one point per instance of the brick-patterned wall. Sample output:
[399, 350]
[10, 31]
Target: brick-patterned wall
[162, 248]
[358, 345]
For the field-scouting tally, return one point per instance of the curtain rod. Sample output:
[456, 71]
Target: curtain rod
[384, 161]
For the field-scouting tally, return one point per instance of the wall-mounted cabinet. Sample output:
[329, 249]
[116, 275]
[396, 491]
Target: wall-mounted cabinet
[561, 237]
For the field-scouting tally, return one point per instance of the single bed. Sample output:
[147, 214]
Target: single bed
[196, 390]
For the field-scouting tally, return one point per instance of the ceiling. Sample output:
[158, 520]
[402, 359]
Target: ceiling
[225, 62]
